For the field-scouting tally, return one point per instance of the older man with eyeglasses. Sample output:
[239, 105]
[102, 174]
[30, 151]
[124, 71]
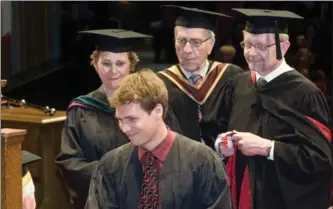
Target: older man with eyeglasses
[194, 84]
[278, 150]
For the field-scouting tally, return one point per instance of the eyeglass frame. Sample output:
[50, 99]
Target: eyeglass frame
[242, 44]
[189, 41]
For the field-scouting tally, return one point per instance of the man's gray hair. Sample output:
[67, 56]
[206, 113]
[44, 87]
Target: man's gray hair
[283, 37]
[210, 33]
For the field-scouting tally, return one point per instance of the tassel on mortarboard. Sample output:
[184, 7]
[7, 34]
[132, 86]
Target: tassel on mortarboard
[277, 41]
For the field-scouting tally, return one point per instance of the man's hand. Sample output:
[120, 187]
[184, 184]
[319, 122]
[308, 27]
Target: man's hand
[228, 150]
[250, 144]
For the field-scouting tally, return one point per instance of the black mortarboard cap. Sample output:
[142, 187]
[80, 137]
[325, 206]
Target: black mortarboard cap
[28, 157]
[116, 40]
[261, 21]
[194, 17]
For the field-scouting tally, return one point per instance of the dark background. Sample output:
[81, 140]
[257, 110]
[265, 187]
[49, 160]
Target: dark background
[47, 63]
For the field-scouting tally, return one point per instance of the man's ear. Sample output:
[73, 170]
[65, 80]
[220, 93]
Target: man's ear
[211, 44]
[158, 110]
[284, 47]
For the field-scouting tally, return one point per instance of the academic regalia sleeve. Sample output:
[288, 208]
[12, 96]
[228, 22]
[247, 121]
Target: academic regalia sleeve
[317, 108]
[305, 158]
[172, 121]
[216, 120]
[214, 187]
[102, 193]
[75, 168]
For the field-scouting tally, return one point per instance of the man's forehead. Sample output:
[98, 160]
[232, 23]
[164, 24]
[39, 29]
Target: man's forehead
[127, 110]
[193, 32]
[123, 108]
[263, 37]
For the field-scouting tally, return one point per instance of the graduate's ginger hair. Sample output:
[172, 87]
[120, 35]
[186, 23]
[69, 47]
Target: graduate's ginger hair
[143, 87]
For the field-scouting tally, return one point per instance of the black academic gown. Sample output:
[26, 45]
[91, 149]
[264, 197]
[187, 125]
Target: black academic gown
[192, 177]
[300, 174]
[87, 135]
[184, 99]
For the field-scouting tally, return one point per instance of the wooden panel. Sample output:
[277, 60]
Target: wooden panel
[3, 177]
[34, 20]
[5, 56]
[43, 138]
[11, 168]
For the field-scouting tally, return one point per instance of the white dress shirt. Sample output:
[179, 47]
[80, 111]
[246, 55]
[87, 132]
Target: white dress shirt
[283, 67]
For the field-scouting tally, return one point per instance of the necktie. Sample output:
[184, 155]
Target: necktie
[261, 82]
[196, 79]
[149, 198]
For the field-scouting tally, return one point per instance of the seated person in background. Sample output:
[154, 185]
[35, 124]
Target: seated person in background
[301, 41]
[159, 169]
[28, 187]
[304, 59]
[228, 53]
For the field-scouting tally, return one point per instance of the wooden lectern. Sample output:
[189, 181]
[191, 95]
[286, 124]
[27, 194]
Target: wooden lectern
[11, 168]
[43, 139]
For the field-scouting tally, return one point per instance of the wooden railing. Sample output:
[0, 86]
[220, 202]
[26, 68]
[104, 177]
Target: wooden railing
[11, 168]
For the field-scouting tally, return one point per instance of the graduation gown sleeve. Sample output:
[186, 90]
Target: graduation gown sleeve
[76, 169]
[303, 157]
[214, 188]
[315, 149]
[102, 194]
[217, 119]
[317, 107]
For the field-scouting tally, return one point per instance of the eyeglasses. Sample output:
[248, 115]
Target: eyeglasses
[259, 46]
[193, 42]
